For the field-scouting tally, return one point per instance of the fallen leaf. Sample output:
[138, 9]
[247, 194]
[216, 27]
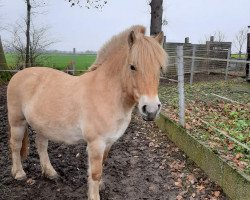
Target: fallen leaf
[238, 156]
[191, 178]
[242, 164]
[188, 127]
[152, 188]
[230, 146]
[179, 197]
[178, 183]
[151, 144]
[217, 193]
[200, 187]
[31, 181]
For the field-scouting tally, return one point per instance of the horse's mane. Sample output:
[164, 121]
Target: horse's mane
[114, 44]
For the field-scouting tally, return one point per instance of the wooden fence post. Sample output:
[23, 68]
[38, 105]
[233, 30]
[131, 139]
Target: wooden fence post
[248, 55]
[207, 56]
[181, 85]
[228, 58]
[74, 61]
[192, 65]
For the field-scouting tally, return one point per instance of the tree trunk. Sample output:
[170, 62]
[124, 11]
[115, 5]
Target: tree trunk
[4, 76]
[27, 56]
[240, 54]
[156, 16]
[3, 63]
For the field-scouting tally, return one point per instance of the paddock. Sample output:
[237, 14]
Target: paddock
[145, 163]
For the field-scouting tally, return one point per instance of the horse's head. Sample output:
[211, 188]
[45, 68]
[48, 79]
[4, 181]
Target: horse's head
[145, 61]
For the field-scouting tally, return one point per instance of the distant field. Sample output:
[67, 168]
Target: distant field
[58, 60]
[236, 56]
[61, 60]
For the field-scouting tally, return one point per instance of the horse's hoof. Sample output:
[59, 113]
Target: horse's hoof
[52, 177]
[102, 185]
[50, 173]
[21, 175]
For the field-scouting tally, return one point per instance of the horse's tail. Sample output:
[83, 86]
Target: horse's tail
[25, 145]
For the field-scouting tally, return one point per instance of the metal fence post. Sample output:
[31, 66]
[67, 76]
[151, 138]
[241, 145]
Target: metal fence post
[192, 65]
[181, 85]
[228, 58]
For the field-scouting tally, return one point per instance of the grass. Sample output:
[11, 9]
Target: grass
[229, 117]
[58, 60]
[236, 56]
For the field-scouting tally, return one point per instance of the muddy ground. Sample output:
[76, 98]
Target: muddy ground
[143, 164]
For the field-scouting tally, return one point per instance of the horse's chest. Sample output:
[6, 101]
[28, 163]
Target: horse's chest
[119, 130]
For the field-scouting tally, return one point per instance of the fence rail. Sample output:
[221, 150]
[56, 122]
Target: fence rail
[180, 60]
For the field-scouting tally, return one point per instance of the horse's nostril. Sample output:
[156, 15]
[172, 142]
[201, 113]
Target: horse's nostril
[159, 106]
[144, 109]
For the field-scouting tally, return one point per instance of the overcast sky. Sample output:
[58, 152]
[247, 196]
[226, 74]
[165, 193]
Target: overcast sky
[88, 29]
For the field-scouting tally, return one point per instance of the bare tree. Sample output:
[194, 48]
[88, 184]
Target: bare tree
[97, 4]
[219, 36]
[1, 25]
[30, 5]
[28, 19]
[39, 41]
[240, 40]
[3, 63]
[204, 39]
[156, 11]
[156, 16]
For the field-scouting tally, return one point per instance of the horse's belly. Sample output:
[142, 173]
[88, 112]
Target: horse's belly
[59, 132]
[58, 127]
[69, 136]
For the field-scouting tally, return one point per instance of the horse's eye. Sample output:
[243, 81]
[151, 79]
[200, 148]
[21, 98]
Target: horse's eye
[132, 67]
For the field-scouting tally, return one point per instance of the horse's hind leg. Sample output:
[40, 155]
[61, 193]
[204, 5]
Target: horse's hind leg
[42, 146]
[16, 139]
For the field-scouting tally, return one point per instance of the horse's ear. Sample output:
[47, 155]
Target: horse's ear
[160, 38]
[131, 38]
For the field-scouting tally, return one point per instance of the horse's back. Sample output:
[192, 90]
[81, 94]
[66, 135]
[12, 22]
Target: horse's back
[24, 86]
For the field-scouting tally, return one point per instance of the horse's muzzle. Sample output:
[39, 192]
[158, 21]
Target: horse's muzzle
[149, 107]
[149, 114]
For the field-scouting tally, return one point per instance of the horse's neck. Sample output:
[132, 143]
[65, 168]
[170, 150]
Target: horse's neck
[107, 81]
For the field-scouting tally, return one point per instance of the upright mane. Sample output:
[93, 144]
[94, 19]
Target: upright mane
[114, 44]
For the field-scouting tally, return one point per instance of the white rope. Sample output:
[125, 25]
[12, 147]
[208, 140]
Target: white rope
[225, 98]
[225, 134]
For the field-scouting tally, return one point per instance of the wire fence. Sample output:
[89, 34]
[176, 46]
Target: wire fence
[213, 104]
[195, 61]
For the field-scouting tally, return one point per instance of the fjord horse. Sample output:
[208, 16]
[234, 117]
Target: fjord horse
[95, 107]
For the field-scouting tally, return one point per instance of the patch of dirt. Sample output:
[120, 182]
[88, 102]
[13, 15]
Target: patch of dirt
[143, 164]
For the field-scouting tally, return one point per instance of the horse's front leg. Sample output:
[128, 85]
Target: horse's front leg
[96, 151]
[42, 146]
